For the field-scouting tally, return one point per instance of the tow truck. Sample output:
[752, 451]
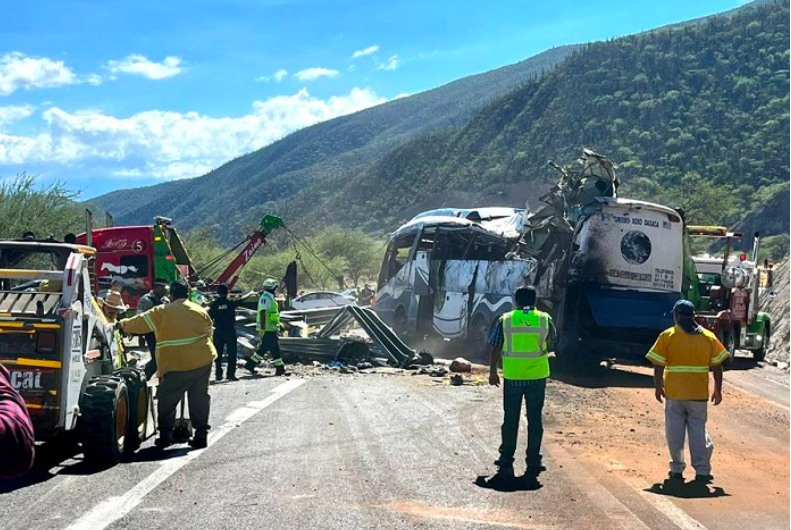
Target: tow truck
[131, 257]
[729, 290]
[63, 354]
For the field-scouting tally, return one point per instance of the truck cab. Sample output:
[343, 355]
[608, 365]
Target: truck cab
[730, 287]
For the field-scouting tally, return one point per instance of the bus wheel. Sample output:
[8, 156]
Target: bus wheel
[399, 322]
[478, 335]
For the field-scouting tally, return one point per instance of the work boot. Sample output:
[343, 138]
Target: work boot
[250, 367]
[218, 376]
[198, 442]
[280, 370]
[533, 470]
[232, 378]
[705, 479]
[163, 441]
[675, 476]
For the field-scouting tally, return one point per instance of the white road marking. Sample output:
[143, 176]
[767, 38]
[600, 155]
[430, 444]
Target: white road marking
[669, 509]
[110, 510]
[618, 514]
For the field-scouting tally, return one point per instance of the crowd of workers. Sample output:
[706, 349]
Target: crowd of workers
[185, 340]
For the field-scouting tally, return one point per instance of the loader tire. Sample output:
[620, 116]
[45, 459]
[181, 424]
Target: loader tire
[139, 398]
[104, 418]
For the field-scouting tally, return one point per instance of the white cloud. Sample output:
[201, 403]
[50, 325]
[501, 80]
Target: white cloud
[167, 144]
[391, 64]
[94, 79]
[311, 74]
[12, 113]
[18, 70]
[402, 95]
[141, 65]
[367, 51]
[276, 77]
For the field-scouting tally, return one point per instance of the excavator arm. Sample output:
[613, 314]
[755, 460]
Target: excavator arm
[254, 241]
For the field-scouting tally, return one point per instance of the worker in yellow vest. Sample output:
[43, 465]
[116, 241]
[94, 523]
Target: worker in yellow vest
[682, 357]
[522, 337]
[268, 326]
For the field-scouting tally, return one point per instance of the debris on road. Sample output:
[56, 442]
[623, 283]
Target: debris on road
[460, 364]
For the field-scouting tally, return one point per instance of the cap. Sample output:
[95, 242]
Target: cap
[684, 308]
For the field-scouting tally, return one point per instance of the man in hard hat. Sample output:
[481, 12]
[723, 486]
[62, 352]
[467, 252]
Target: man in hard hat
[686, 352]
[522, 337]
[185, 354]
[268, 325]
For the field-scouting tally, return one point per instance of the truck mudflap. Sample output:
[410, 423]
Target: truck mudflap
[613, 308]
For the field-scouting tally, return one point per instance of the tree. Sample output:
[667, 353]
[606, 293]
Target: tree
[45, 211]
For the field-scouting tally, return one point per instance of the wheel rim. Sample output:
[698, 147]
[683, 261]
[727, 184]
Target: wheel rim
[121, 417]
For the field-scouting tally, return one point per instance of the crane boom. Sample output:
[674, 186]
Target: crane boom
[254, 241]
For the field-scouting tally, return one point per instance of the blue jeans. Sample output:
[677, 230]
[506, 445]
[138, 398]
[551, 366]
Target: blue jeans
[533, 393]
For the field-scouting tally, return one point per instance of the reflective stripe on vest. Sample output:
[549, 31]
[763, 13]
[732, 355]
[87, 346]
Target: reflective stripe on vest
[525, 345]
[179, 342]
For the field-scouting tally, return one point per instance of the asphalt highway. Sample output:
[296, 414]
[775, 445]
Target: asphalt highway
[394, 451]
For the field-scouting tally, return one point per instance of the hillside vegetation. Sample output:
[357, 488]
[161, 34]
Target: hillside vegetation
[695, 116]
[239, 193]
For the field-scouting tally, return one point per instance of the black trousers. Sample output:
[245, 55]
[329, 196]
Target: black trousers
[269, 343]
[171, 391]
[225, 340]
[533, 393]
[151, 366]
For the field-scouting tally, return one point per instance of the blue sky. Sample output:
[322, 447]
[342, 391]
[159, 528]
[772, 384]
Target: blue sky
[114, 94]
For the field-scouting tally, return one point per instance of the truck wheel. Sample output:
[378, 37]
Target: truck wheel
[104, 414]
[139, 397]
[729, 341]
[760, 354]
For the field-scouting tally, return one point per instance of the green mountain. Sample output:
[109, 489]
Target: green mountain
[694, 116]
[238, 193]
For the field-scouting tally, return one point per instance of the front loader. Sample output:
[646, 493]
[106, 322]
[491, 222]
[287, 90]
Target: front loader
[63, 354]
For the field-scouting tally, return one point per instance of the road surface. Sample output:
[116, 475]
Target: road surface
[395, 451]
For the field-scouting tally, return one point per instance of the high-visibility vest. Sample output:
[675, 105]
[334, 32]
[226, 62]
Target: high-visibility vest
[272, 314]
[525, 355]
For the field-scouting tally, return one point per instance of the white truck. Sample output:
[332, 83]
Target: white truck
[63, 354]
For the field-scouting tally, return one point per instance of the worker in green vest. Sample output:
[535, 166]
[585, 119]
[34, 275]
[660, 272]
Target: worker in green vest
[522, 338]
[268, 326]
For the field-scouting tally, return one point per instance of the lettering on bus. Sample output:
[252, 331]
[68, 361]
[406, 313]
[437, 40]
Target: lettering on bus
[629, 275]
[639, 221]
[664, 278]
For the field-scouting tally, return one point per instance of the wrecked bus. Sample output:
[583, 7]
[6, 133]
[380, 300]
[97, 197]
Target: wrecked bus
[607, 269]
[451, 273]
[622, 270]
